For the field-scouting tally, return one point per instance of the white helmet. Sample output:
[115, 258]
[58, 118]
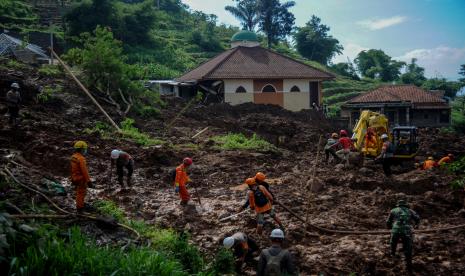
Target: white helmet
[115, 154]
[384, 136]
[277, 234]
[15, 85]
[228, 242]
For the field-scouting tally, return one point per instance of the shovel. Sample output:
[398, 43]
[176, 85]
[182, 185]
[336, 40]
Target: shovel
[232, 216]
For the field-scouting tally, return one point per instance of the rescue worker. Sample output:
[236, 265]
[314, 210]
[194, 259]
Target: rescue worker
[181, 180]
[275, 260]
[261, 201]
[13, 100]
[260, 180]
[346, 144]
[446, 159]
[429, 164]
[386, 155]
[370, 139]
[79, 174]
[243, 248]
[122, 160]
[399, 221]
[330, 150]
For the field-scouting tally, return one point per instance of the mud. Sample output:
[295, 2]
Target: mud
[345, 199]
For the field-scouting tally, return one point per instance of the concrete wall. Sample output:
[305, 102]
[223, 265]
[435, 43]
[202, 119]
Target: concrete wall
[296, 101]
[238, 98]
[230, 86]
[428, 118]
[304, 85]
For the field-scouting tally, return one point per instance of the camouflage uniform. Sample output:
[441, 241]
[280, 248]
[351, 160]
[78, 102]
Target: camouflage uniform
[399, 221]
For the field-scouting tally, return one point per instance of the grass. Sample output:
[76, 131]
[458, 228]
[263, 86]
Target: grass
[238, 141]
[133, 133]
[48, 91]
[52, 71]
[74, 254]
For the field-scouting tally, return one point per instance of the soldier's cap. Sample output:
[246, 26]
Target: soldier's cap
[402, 203]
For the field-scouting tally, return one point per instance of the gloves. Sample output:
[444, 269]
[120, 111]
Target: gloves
[176, 190]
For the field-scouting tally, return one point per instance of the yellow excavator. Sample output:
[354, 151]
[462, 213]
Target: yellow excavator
[367, 136]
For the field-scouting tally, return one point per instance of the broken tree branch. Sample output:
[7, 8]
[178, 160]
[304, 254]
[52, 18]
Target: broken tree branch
[200, 132]
[67, 69]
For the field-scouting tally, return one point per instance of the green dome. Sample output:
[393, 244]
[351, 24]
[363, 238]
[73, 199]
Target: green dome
[244, 36]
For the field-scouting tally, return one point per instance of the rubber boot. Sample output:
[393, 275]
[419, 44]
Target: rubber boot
[128, 182]
[120, 181]
[259, 230]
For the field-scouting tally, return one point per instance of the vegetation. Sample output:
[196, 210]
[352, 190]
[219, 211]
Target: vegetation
[457, 168]
[414, 74]
[246, 12]
[51, 71]
[314, 43]
[16, 12]
[133, 133]
[238, 141]
[458, 114]
[48, 91]
[375, 64]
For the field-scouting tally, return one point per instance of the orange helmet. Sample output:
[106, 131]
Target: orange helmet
[260, 176]
[250, 181]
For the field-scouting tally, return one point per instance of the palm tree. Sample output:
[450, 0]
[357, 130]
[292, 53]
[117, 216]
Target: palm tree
[246, 12]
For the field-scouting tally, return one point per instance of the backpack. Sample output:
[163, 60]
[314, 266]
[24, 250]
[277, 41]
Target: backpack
[273, 263]
[172, 175]
[260, 198]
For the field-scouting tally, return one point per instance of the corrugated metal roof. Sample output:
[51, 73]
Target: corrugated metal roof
[8, 44]
[253, 63]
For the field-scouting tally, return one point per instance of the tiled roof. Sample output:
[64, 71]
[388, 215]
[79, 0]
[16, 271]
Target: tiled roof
[398, 93]
[253, 63]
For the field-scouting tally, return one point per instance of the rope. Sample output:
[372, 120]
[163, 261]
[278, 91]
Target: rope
[58, 208]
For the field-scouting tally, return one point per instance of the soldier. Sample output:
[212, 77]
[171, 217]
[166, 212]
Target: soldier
[399, 221]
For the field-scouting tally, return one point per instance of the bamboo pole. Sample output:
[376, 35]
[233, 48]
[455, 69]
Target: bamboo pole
[85, 91]
[200, 132]
[312, 180]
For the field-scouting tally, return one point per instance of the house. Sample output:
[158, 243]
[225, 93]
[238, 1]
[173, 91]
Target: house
[250, 73]
[404, 105]
[25, 52]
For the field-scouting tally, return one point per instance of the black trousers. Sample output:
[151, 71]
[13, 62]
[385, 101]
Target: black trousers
[13, 111]
[120, 170]
[332, 152]
[387, 162]
[407, 244]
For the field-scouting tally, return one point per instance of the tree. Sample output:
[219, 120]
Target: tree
[376, 64]
[346, 69]
[275, 19]
[17, 12]
[246, 12]
[450, 87]
[462, 72]
[414, 74]
[314, 43]
[130, 23]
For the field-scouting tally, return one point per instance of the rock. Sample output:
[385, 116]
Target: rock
[339, 167]
[365, 171]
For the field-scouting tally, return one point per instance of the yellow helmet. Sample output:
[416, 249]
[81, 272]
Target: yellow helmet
[80, 145]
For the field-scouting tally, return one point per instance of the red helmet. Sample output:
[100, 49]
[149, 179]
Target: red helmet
[343, 132]
[187, 161]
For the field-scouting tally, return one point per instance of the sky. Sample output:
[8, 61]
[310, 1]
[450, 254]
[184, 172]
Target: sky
[433, 31]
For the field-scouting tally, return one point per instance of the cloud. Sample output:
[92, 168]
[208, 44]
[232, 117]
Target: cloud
[351, 50]
[440, 61]
[378, 24]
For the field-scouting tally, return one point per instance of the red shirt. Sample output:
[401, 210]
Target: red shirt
[345, 142]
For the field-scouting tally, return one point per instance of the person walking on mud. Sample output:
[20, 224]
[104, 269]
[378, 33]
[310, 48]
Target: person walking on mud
[80, 178]
[13, 100]
[260, 200]
[346, 143]
[181, 180]
[122, 160]
[399, 221]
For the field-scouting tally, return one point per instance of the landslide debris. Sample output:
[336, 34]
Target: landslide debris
[346, 199]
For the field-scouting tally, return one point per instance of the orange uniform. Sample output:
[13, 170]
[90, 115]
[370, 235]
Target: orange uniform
[181, 180]
[429, 164]
[80, 177]
[260, 209]
[445, 160]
